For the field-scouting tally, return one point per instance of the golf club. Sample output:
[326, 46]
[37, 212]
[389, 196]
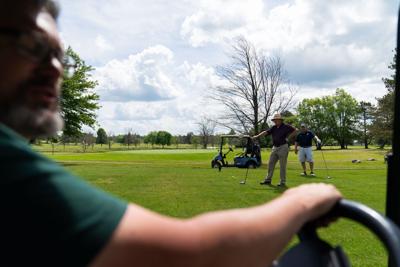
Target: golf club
[326, 167]
[245, 179]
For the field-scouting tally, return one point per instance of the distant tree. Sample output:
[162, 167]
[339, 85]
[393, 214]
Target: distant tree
[111, 139]
[383, 118]
[78, 100]
[195, 141]
[163, 138]
[101, 137]
[290, 118]
[128, 139]
[382, 126]
[206, 130]
[188, 138]
[151, 138]
[120, 139]
[176, 141]
[87, 139]
[390, 83]
[367, 110]
[255, 87]
[332, 117]
[136, 139]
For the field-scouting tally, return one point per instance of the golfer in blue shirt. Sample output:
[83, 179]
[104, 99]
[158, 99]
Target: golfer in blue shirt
[303, 145]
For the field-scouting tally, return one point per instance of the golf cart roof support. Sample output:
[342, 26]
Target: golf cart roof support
[393, 179]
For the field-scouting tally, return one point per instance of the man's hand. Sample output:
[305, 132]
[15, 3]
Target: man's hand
[317, 199]
[318, 140]
[295, 151]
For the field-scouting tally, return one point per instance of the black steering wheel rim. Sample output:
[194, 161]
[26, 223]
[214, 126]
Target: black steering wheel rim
[382, 227]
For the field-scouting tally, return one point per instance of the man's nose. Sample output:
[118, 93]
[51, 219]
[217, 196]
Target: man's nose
[53, 66]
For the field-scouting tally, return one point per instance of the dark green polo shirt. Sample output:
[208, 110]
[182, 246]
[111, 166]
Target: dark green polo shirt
[48, 216]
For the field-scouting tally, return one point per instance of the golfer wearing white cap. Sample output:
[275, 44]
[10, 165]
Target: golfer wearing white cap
[304, 141]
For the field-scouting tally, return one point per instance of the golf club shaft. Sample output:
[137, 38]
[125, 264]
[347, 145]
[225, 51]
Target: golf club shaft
[245, 179]
[326, 166]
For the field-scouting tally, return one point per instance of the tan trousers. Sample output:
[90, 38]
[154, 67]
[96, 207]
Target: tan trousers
[278, 153]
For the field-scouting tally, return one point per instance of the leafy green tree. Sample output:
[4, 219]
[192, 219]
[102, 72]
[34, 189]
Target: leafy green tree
[119, 139]
[313, 112]
[195, 141]
[332, 117]
[175, 140]
[390, 82]
[188, 138]
[291, 118]
[136, 139]
[101, 137]
[151, 138]
[78, 101]
[163, 138]
[382, 126]
[128, 139]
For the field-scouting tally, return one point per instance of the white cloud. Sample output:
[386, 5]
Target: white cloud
[148, 91]
[319, 41]
[155, 60]
[102, 44]
[146, 76]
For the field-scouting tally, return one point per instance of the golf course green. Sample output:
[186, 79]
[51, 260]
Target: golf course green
[181, 183]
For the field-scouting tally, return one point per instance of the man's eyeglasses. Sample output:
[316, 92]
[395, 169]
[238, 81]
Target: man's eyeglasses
[35, 46]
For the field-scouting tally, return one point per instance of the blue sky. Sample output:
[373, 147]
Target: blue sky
[155, 60]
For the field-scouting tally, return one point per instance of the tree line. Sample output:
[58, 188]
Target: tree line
[255, 88]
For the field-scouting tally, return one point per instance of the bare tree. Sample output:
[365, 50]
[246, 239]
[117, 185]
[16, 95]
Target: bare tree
[128, 138]
[111, 138]
[206, 130]
[254, 89]
[87, 139]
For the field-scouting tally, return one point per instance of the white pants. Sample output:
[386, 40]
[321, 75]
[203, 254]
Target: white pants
[305, 154]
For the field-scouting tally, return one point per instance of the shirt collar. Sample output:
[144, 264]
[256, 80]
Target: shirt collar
[8, 133]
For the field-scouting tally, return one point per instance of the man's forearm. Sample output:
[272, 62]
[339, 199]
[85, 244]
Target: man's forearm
[253, 236]
[292, 135]
[260, 134]
[242, 237]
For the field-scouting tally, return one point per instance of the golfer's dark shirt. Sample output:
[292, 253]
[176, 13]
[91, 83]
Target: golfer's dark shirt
[279, 135]
[48, 216]
[305, 139]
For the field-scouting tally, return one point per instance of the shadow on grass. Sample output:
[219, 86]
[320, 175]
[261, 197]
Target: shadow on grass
[272, 188]
[65, 164]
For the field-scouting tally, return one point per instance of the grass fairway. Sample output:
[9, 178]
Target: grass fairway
[181, 183]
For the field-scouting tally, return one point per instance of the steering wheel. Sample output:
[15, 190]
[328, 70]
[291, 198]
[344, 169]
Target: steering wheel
[314, 252]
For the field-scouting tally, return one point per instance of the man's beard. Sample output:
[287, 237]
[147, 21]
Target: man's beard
[32, 124]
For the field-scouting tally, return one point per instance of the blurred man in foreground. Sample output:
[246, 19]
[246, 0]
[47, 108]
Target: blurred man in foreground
[51, 218]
